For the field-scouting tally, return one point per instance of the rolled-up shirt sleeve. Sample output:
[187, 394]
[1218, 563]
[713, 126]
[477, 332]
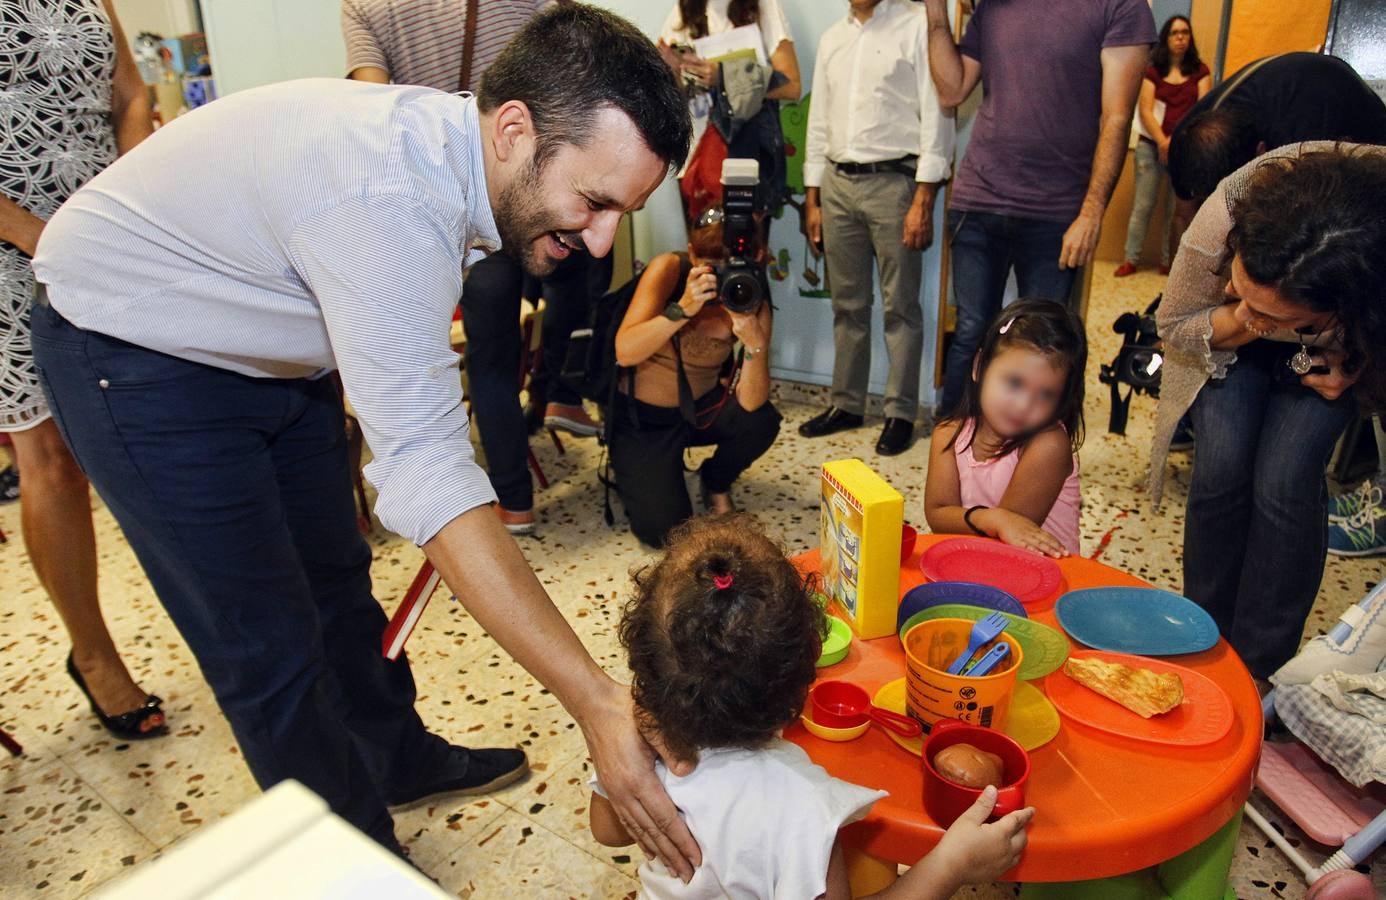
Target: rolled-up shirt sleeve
[937, 134]
[387, 275]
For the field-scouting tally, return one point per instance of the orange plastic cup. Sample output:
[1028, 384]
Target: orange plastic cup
[932, 694]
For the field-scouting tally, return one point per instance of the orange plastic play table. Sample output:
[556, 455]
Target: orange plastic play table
[1105, 805]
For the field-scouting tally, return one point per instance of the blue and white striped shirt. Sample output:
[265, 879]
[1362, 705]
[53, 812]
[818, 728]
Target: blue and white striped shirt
[292, 229]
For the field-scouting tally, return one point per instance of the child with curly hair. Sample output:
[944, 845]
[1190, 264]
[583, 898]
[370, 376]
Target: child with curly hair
[722, 637]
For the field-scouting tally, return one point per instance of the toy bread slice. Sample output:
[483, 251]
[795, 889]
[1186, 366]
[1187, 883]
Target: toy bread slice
[1142, 691]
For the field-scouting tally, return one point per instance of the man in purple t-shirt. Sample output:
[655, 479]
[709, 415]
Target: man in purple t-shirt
[1060, 80]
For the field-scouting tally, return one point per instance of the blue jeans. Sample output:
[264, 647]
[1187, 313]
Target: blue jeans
[1151, 175]
[1256, 524]
[235, 494]
[985, 247]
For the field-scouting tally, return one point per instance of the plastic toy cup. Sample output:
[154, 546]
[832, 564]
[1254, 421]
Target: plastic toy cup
[840, 704]
[932, 694]
[908, 536]
[945, 800]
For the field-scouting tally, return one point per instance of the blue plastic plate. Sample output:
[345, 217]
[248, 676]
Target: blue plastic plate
[937, 593]
[1144, 621]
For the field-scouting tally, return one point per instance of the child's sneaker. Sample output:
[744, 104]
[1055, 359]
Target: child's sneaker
[1349, 502]
[1361, 534]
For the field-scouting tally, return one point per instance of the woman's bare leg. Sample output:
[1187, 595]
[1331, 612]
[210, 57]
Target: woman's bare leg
[55, 516]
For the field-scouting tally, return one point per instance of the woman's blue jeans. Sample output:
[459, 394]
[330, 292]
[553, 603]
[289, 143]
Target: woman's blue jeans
[1256, 529]
[1151, 176]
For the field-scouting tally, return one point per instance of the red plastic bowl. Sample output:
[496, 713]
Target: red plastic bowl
[945, 800]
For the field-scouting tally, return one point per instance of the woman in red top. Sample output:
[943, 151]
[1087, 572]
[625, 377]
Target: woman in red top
[1174, 81]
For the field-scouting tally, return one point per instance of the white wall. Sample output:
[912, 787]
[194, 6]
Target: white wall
[166, 18]
[256, 42]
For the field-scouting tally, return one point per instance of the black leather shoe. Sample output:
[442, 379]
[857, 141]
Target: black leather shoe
[896, 437]
[830, 421]
[462, 773]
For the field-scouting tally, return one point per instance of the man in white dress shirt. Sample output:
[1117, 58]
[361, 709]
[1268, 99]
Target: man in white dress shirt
[197, 291]
[879, 145]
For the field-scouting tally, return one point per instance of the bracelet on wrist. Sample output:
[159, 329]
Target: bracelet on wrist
[967, 517]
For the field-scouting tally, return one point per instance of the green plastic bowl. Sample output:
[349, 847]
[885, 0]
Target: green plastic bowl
[837, 642]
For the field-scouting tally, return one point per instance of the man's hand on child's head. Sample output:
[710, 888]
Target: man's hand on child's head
[985, 850]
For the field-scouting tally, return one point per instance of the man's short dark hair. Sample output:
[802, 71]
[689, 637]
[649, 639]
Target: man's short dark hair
[573, 59]
[1206, 148]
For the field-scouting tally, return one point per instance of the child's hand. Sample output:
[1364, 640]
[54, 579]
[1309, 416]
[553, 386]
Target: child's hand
[980, 852]
[1019, 531]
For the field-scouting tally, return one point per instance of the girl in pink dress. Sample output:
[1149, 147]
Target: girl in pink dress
[1005, 463]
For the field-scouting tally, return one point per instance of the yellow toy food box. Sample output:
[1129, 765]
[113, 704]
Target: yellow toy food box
[859, 546]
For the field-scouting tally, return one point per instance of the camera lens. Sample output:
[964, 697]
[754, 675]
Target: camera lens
[741, 292]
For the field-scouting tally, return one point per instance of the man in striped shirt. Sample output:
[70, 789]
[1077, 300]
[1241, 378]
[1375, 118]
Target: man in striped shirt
[421, 41]
[424, 42]
[196, 292]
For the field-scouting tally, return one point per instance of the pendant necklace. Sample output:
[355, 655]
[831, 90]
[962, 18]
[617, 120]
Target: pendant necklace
[1302, 363]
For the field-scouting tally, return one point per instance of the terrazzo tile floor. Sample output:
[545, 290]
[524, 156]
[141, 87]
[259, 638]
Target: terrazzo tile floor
[80, 808]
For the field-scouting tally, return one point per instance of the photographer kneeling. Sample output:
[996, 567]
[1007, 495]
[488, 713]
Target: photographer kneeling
[691, 387]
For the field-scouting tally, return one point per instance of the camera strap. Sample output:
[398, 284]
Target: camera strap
[688, 405]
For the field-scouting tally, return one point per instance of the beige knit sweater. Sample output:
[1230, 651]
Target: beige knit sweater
[1195, 288]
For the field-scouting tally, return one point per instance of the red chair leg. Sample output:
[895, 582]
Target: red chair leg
[3, 539]
[557, 442]
[538, 470]
[10, 743]
[409, 611]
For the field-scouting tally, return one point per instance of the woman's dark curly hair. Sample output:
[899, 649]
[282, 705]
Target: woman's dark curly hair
[722, 636]
[694, 15]
[1046, 327]
[1313, 227]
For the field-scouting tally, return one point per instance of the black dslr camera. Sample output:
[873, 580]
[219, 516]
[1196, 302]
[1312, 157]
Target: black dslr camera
[1137, 363]
[738, 275]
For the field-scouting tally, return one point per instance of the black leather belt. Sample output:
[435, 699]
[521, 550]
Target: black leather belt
[905, 165]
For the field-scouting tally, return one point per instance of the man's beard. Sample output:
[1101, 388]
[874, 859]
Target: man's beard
[522, 219]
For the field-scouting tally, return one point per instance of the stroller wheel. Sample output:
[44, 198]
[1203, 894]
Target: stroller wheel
[1344, 884]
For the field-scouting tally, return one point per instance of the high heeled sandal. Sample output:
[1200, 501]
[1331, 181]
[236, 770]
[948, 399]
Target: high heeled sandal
[136, 725]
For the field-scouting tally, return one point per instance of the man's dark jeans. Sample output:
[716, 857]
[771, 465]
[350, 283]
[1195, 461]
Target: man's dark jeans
[235, 494]
[984, 249]
[1256, 526]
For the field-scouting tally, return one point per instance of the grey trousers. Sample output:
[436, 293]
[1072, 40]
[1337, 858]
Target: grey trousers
[863, 222]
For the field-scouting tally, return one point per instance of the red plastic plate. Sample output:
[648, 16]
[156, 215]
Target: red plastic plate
[1026, 576]
[1204, 716]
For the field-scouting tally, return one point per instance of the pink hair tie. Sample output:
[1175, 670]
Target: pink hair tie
[722, 582]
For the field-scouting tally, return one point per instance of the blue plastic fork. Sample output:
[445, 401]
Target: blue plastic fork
[985, 630]
[989, 660]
